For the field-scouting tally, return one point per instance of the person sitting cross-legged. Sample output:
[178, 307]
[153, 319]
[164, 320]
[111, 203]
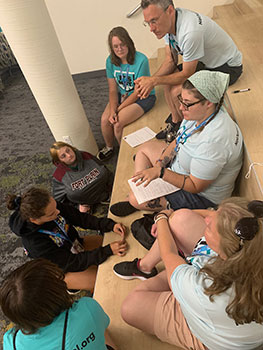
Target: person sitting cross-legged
[213, 299]
[205, 158]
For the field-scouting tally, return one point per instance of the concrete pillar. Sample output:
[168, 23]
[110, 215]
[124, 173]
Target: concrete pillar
[31, 35]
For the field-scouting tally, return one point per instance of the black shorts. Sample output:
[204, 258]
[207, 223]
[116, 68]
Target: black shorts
[234, 72]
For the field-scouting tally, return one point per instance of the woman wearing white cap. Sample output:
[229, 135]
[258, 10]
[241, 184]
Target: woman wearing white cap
[204, 159]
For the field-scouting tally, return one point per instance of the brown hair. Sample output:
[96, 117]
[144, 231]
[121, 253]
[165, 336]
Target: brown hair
[124, 37]
[34, 294]
[243, 267]
[56, 147]
[31, 204]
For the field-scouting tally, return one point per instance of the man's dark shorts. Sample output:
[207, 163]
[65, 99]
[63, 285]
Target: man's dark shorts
[234, 72]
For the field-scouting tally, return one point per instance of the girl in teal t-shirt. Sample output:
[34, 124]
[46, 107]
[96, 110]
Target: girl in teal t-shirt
[123, 66]
[35, 298]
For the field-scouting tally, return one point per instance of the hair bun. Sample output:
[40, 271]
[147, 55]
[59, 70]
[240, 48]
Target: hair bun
[256, 208]
[17, 202]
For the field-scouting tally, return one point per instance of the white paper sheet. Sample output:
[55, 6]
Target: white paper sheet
[156, 188]
[140, 136]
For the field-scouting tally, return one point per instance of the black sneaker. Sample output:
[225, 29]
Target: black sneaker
[122, 209]
[169, 133]
[105, 153]
[129, 270]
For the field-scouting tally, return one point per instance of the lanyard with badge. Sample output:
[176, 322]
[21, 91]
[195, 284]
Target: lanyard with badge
[125, 81]
[183, 137]
[59, 238]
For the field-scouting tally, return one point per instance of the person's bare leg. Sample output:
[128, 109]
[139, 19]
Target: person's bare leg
[151, 259]
[148, 153]
[91, 242]
[85, 279]
[106, 127]
[187, 228]
[145, 158]
[171, 93]
[138, 309]
[126, 116]
[156, 204]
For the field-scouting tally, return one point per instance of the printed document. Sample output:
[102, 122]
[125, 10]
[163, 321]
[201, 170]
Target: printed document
[156, 188]
[140, 136]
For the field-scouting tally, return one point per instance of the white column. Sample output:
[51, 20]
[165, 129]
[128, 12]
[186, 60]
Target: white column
[31, 35]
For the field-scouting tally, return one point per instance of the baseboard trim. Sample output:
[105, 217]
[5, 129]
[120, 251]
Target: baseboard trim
[90, 75]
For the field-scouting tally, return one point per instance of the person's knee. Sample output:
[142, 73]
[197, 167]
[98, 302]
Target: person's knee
[118, 127]
[105, 118]
[129, 307]
[178, 218]
[133, 200]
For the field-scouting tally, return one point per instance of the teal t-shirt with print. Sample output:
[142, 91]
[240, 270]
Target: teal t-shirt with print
[87, 323]
[125, 74]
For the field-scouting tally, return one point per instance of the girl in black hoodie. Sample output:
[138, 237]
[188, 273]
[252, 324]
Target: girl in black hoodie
[47, 231]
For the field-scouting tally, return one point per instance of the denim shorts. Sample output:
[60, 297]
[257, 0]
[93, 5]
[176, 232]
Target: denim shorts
[183, 199]
[146, 104]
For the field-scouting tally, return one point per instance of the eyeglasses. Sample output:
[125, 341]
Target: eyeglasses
[247, 228]
[120, 46]
[188, 105]
[154, 21]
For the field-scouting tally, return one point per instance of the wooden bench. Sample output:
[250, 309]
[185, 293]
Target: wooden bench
[244, 24]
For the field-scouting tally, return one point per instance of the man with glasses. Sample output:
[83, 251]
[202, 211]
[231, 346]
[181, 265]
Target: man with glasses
[201, 42]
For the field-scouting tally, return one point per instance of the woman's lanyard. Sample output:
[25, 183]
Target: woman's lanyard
[125, 79]
[183, 137]
[63, 235]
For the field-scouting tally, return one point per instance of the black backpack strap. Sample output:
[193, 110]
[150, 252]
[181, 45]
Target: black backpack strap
[14, 339]
[64, 331]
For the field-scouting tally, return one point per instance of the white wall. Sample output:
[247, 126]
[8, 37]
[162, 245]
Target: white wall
[82, 27]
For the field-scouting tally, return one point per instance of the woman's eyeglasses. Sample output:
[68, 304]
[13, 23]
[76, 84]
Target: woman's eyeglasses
[188, 105]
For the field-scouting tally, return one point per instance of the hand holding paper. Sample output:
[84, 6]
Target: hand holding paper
[146, 176]
[155, 189]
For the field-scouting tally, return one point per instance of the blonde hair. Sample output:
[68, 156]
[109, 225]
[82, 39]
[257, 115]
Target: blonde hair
[243, 267]
[56, 147]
